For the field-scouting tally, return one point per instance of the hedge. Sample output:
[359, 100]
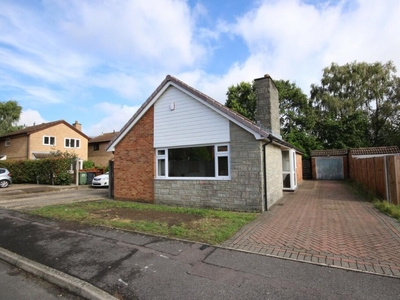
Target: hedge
[54, 170]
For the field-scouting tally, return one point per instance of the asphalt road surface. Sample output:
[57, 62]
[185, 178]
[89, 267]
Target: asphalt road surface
[16, 284]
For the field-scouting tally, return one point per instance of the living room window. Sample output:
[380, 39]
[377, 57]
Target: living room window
[201, 162]
[72, 143]
[49, 140]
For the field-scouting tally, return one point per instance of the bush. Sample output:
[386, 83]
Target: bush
[53, 170]
[88, 164]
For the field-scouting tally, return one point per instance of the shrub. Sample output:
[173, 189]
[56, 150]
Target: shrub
[88, 164]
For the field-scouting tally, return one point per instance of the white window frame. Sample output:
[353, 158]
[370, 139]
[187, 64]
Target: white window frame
[69, 143]
[162, 154]
[292, 172]
[7, 142]
[49, 137]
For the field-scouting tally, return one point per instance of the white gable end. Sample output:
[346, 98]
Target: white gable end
[180, 120]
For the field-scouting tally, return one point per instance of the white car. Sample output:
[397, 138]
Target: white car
[101, 180]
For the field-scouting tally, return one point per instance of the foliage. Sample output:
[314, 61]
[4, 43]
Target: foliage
[360, 102]
[209, 226]
[52, 170]
[389, 209]
[88, 164]
[10, 113]
[242, 99]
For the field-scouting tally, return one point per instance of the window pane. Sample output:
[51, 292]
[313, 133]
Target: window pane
[67, 143]
[222, 148]
[285, 161]
[161, 167]
[77, 143]
[161, 152]
[96, 147]
[46, 140]
[191, 162]
[286, 180]
[223, 166]
[72, 142]
[52, 140]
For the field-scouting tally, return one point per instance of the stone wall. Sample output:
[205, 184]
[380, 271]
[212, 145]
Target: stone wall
[243, 192]
[274, 174]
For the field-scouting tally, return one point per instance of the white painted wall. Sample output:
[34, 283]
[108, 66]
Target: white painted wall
[189, 123]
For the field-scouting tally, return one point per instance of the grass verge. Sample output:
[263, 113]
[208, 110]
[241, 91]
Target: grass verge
[201, 225]
[387, 208]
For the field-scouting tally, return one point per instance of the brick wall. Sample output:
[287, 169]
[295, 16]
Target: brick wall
[100, 157]
[17, 149]
[274, 174]
[134, 162]
[243, 192]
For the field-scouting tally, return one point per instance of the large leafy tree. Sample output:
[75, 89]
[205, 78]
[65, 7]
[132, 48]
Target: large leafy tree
[10, 113]
[242, 99]
[358, 105]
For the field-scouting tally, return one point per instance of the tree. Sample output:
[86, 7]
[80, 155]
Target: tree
[358, 105]
[242, 99]
[10, 113]
[296, 114]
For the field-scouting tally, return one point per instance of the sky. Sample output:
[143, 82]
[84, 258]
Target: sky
[97, 61]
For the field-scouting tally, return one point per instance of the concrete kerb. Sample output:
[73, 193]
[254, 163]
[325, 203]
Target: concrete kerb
[65, 281]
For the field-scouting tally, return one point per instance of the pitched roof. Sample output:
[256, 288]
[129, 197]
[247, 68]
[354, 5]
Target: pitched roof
[235, 117]
[329, 152]
[105, 137]
[375, 150]
[35, 128]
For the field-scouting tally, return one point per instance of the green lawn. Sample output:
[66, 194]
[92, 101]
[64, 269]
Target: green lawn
[201, 225]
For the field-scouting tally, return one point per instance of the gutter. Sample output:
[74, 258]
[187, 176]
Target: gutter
[265, 171]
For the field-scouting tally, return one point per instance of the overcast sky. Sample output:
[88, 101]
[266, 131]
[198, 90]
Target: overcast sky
[97, 61]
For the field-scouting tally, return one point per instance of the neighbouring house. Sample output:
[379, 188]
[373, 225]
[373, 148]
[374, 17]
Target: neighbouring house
[97, 149]
[184, 148]
[36, 142]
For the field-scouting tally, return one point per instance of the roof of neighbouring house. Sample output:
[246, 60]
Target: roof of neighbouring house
[213, 104]
[35, 128]
[375, 150]
[329, 152]
[104, 137]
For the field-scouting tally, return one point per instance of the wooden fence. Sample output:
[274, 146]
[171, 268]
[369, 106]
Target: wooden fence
[380, 175]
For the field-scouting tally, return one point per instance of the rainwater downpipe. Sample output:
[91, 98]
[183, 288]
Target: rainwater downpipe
[265, 172]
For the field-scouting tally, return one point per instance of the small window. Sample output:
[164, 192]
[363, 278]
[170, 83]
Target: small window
[72, 143]
[8, 142]
[49, 140]
[161, 158]
[96, 147]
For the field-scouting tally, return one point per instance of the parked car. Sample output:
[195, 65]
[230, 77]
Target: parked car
[101, 180]
[5, 178]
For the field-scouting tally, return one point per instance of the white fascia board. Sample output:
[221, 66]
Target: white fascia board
[138, 117]
[257, 136]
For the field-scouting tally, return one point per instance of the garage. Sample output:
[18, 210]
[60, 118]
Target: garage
[329, 164]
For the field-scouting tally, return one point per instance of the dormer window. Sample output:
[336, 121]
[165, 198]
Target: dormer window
[49, 140]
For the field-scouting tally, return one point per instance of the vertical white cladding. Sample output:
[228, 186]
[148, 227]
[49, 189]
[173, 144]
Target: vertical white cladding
[180, 120]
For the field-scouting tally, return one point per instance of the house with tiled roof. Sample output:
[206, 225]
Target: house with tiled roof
[184, 148]
[37, 141]
[97, 149]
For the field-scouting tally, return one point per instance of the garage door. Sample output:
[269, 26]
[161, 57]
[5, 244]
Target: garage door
[329, 167]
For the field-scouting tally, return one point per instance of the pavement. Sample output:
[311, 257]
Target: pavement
[326, 223]
[323, 224]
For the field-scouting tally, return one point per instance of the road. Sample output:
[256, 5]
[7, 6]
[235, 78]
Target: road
[29, 197]
[136, 266]
[16, 284]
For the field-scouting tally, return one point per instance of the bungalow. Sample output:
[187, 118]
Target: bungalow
[183, 148]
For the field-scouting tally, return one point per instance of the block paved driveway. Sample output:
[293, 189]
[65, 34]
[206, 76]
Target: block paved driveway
[324, 222]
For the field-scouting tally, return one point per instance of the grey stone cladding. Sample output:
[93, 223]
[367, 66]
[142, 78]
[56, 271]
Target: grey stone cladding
[274, 174]
[243, 192]
[267, 103]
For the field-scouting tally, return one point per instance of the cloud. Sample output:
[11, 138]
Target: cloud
[30, 117]
[116, 117]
